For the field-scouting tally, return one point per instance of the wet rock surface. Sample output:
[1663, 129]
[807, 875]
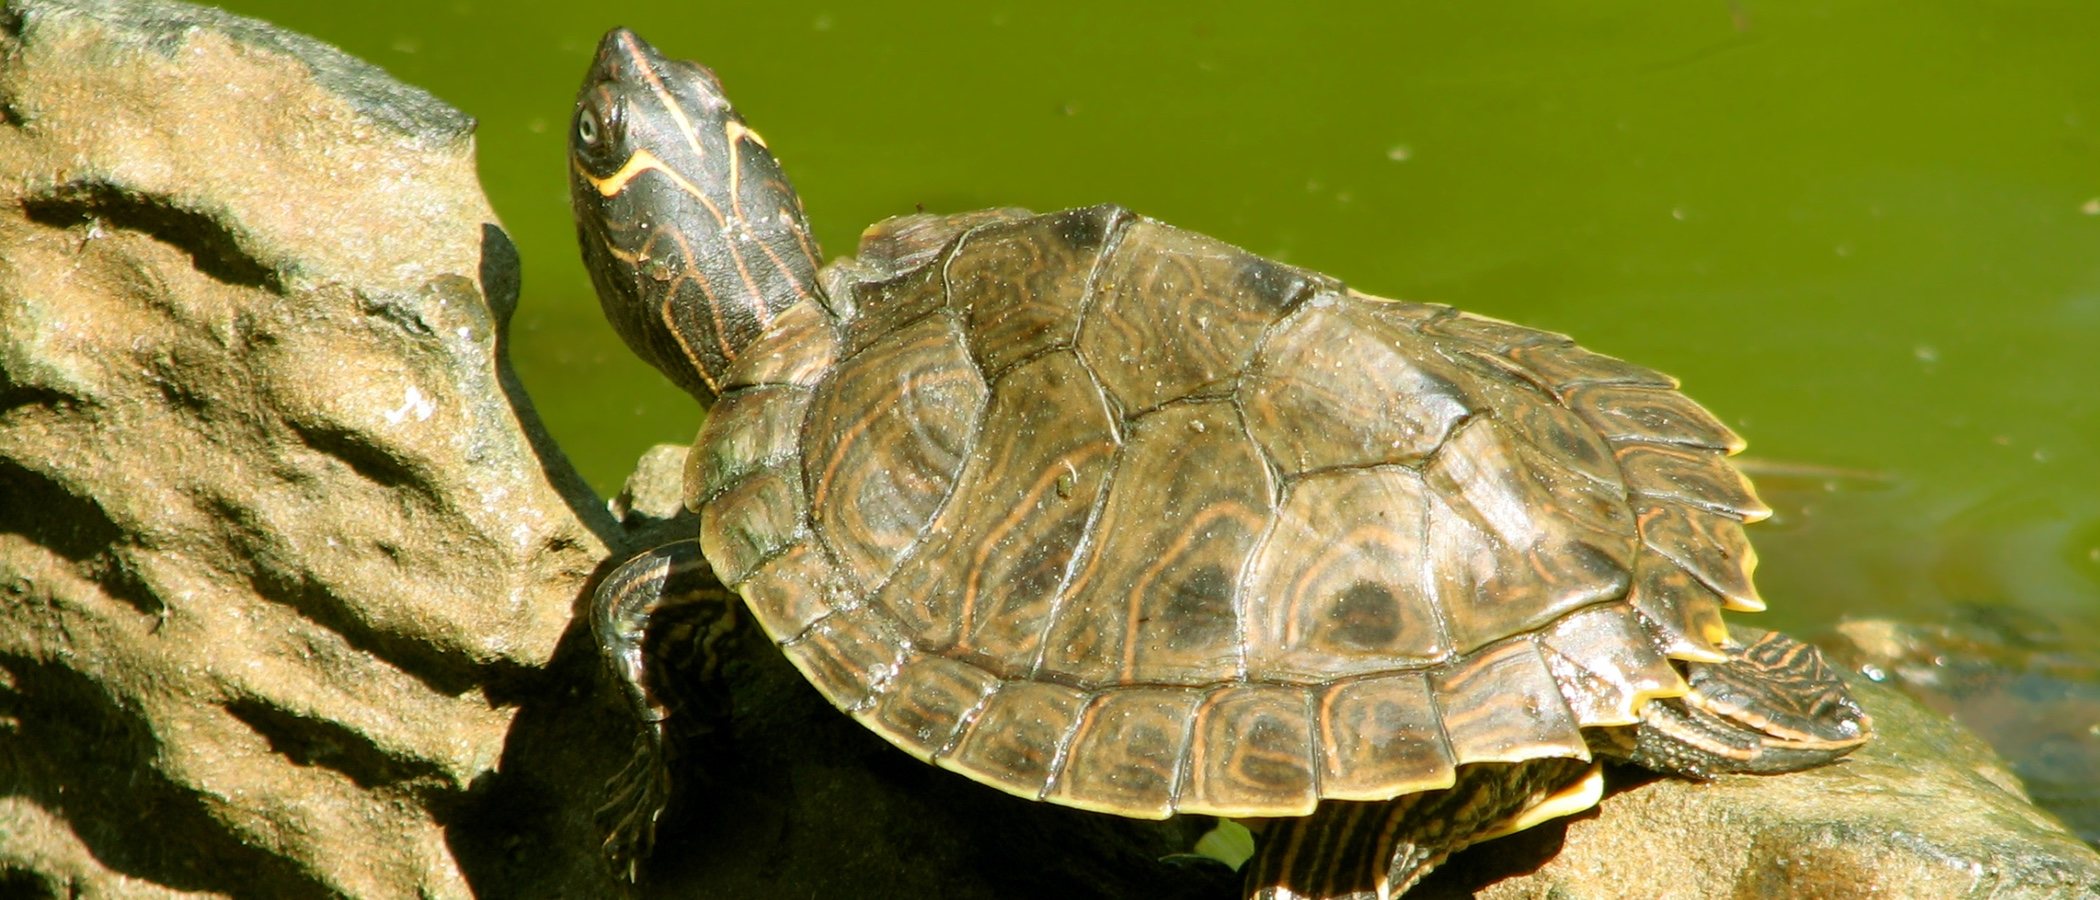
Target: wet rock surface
[2028, 685]
[289, 577]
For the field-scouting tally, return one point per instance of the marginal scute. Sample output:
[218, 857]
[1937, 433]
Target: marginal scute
[1502, 566]
[1406, 314]
[984, 576]
[751, 521]
[1491, 333]
[1252, 754]
[1606, 665]
[798, 348]
[850, 656]
[1683, 615]
[745, 431]
[927, 703]
[1338, 587]
[1638, 413]
[1153, 599]
[1708, 545]
[1127, 755]
[1381, 737]
[902, 243]
[1565, 365]
[1017, 737]
[1018, 287]
[1176, 313]
[890, 304]
[1335, 385]
[1502, 704]
[794, 589]
[1690, 475]
[888, 432]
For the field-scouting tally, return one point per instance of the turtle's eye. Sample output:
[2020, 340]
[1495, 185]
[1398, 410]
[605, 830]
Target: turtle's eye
[597, 126]
[587, 127]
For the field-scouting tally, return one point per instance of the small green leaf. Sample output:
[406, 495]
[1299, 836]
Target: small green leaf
[1229, 843]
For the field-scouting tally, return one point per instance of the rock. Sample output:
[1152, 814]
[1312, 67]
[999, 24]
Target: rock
[281, 546]
[2030, 685]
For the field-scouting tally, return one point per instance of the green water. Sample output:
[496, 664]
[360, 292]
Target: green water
[1867, 234]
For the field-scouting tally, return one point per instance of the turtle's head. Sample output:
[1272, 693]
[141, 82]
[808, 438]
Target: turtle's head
[691, 233]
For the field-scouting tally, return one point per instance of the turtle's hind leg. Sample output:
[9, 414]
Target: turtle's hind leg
[1376, 851]
[660, 613]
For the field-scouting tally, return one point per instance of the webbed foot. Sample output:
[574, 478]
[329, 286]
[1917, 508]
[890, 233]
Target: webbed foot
[658, 614]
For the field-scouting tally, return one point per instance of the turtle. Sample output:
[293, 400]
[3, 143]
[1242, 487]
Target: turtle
[1106, 513]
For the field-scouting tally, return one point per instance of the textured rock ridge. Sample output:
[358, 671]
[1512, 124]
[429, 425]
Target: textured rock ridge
[276, 533]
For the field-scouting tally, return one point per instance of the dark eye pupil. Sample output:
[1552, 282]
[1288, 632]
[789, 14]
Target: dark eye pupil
[587, 127]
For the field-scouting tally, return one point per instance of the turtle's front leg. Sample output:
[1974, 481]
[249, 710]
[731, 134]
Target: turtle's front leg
[662, 605]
